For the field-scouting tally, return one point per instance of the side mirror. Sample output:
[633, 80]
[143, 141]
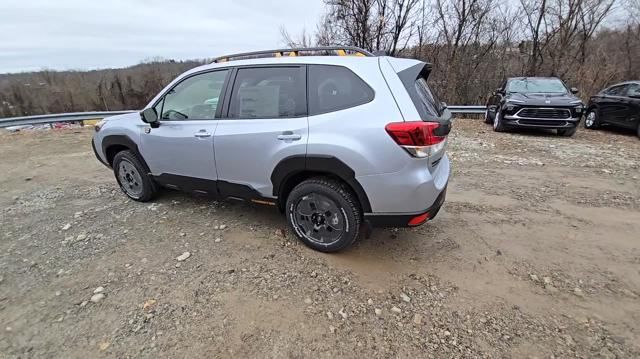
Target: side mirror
[444, 105]
[498, 91]
[574, 90]
[150, 116]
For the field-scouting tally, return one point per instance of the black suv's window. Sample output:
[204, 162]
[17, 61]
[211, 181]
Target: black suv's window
[268, 92]
[195, 98]
[429, 99]
[633, 88]
[333, 88]
[617, 90]
[536, 85]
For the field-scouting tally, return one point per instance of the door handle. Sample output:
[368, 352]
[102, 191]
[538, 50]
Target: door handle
[202, 134]
[289, 136]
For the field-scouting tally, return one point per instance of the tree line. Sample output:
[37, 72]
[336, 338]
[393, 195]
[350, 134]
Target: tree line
[473, 44]
[48, 91]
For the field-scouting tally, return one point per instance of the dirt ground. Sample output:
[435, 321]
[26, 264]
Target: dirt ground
[536, 254]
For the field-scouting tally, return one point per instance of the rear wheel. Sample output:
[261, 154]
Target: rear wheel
[591, 120]
[324, 214]
[567, 132]
[132, 177]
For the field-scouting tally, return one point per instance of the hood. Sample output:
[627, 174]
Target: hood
[129, 116]
[544, 99]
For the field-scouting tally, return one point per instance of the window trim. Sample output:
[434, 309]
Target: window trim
[373, 97]
[164, 93]
[232, 81]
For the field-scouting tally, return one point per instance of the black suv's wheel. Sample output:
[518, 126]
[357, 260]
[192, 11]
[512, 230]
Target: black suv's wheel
[132, 177]
[324, 214]
[591, 119]
[487, 117]
[497, 122]
[567, 132]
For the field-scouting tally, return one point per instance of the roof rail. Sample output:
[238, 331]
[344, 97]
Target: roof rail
[322, 50]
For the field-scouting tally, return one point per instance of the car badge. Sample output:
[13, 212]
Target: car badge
[547, 101]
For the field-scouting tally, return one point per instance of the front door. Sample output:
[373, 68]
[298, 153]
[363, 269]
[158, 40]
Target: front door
[612, 107]
[265, 122]
[179, 152]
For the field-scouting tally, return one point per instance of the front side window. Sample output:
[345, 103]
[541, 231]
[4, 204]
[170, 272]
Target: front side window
[617, 90]
[195, 98]
[536, 85]
[333, 88]
[268, 92]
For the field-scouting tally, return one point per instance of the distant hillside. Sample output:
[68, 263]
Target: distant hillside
[33, 93]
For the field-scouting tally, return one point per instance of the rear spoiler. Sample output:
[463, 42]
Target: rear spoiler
[408, 77]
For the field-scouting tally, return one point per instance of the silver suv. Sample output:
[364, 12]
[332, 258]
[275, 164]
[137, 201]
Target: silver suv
[338, 139]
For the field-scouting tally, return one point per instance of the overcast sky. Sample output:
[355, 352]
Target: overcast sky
[88, 34]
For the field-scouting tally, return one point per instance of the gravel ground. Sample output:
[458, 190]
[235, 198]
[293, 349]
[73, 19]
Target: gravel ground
[534, 255]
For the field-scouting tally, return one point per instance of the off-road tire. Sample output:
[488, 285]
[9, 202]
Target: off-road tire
[149, 189]
[347, 203]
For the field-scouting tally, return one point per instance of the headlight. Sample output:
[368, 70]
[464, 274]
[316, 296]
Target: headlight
[510, 107]
[578, 109]
[99, 125]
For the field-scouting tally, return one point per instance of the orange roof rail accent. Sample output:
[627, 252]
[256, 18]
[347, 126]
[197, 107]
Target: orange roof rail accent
[314, 51]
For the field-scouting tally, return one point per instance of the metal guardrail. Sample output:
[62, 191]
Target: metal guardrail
[84, 116]
[476, 110]
[61, 117]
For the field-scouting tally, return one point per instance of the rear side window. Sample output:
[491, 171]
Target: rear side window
[428, 98]
[334, 88]
[268, 92]
[633, 88]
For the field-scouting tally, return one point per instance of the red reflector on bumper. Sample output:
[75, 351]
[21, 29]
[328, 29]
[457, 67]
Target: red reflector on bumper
[418, 220]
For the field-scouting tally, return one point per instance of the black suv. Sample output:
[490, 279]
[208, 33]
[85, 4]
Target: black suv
[534, 102]
[618, 105]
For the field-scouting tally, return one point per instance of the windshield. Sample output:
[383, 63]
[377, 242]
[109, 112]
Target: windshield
[536, 85]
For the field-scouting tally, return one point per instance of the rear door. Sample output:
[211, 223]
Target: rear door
[179, 152]
[265, 121]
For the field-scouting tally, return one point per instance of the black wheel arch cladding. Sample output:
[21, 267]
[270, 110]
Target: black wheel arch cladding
[293, 166]
[121, 141]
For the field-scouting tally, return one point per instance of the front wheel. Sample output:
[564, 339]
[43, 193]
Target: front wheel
[497, 122]
[324, 214]
[487, 117]
[591, 120]
[134, 181]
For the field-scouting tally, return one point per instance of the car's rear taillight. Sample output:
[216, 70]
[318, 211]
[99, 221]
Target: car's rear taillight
[419, 138]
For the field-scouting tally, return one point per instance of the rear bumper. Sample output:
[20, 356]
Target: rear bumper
[517, 121]
[405, 219]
